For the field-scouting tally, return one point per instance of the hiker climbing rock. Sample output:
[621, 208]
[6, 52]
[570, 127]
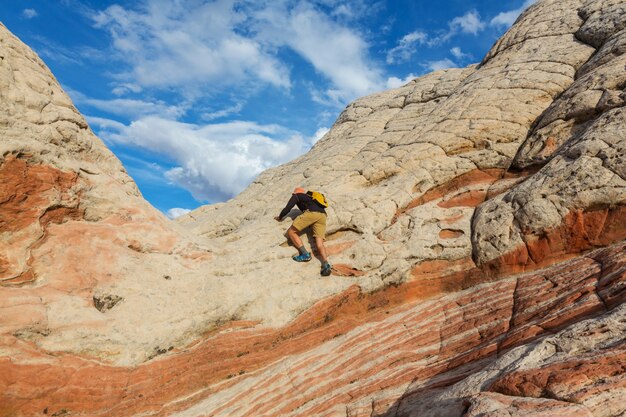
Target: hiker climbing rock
[312, 204]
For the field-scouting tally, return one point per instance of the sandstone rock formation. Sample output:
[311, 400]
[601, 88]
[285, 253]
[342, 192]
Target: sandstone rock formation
[476, 228]
[74, 229]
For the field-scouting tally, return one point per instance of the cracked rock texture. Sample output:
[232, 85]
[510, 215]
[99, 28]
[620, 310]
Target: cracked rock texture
[476, 229]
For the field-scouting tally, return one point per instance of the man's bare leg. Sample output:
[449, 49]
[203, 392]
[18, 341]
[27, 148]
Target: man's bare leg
[294, 237]
[326, 268]
[319, 243]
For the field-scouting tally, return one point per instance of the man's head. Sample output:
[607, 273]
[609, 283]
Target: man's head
[299, 190]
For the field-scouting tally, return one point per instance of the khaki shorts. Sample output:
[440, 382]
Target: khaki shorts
[316, 220]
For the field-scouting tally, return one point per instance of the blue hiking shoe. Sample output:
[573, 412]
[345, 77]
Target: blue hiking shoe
[326, 269]
[305, 257]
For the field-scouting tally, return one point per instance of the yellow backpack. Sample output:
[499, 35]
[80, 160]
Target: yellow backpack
[318, 197]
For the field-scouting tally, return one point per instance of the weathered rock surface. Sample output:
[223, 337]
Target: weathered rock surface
[73, 226]
[476, 226]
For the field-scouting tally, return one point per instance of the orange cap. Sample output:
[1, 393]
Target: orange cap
[299, 190]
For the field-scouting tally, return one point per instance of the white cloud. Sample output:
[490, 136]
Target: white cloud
[351, 10]
[337, 52]
[406, 47]
[395, 82]
[345, 11]
[441, 64]
[123, 88]
[187, 44]
[176, 212]
[29, 13]
[145, 171]
[470, 22]
[203, 47]
[106, 124]
[326, 117]
[214, 162]
[319, 133]
[62, 54]
[506, 19]
[130, 108]
[223, 112]
[458, 53]
[321, 96]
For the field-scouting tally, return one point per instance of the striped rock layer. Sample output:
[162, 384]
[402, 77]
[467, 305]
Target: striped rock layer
[476, 229]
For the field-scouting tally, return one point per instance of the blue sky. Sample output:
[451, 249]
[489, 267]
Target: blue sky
[197, 97]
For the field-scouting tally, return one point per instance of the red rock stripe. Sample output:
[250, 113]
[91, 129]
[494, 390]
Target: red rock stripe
[397, 358]
[205, 369]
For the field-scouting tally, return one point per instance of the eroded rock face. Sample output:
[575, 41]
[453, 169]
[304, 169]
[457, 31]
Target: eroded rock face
[476, 228]
[579, 141]
[74, 226]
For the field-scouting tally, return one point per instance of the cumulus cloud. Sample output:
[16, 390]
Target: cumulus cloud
[130, 108]
[506, 19]
[216, 161]
[222, 112]
[470, 22]
[351, 10]
[187, 43]
[395, 82]
[319, 133]
[342, 58]
[206, 46]
[106, 124]
[406, 47]
[337, 52]
[176, 212]
[29, 13]
[441, 64]
[62, 54]
[123, 88]
[458, 53]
